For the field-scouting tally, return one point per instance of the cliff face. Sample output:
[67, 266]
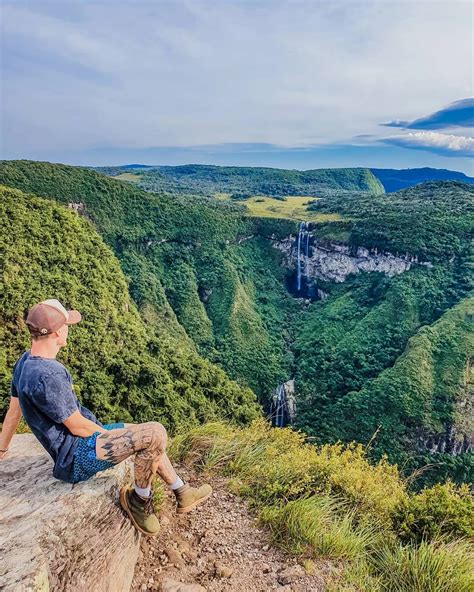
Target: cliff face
[56, 536]
[334, 262]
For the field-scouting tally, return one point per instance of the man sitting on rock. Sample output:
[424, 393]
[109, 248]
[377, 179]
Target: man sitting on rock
[78, 443]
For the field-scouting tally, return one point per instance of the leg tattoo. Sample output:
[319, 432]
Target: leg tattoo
[147, 441]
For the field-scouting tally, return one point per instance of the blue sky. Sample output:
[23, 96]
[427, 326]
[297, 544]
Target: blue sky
[297, 84]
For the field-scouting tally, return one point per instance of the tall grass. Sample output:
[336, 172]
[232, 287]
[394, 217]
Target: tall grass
[320, 526]
[429, 567]
[330, 502]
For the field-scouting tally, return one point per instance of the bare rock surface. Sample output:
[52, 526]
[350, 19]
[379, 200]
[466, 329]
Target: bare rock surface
[334, 262]
[60, 537]
[218, 547]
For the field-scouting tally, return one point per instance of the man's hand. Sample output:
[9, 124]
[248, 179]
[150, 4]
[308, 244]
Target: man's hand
[12, 419]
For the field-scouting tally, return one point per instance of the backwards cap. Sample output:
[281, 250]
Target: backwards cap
[49, 316]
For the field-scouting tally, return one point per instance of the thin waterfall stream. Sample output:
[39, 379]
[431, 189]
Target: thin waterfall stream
[302, 258]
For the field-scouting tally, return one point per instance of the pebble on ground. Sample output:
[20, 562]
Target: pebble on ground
[218, 547]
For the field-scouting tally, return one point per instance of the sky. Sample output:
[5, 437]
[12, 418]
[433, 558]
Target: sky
[292, 84]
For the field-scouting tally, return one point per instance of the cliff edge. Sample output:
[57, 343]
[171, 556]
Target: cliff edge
[57, 536]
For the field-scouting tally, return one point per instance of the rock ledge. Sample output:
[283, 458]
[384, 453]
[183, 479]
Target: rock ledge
[57, 536]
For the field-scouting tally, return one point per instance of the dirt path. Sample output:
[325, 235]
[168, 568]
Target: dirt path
[218, 547]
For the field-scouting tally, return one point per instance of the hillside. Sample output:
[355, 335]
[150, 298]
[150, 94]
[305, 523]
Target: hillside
[183, 258]
[204, 274]
[433, 221]
[203, 179]
[122, 368]
[208, 180]
[395, 179]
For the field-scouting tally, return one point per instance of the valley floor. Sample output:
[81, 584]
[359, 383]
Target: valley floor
[221, 547]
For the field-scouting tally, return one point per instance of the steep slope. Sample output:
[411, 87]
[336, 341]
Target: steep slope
[184, 255]
[433, 221]
[122, 368]
[423, 404]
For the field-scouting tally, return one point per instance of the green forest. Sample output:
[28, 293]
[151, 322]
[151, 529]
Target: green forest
[381, 360]
[245, 181]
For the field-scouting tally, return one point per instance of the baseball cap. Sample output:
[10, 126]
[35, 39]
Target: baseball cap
[49, 316]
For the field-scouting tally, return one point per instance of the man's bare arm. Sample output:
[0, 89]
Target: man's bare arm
[12, 419]
[79, 425]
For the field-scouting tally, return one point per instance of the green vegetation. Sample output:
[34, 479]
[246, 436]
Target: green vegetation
[433, 221]
[330, 503]
[292, 208]
[441, 511]
[386, 366]
[207, 180]
[382, 359]
[184, 258]
[122, 368]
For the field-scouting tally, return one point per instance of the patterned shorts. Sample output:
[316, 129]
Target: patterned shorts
[86, 464]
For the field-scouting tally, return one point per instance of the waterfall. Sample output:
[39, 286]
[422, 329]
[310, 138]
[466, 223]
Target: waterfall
[303, 234]
[306, 269]
[280, 406]
[283, 404]
[298, 263]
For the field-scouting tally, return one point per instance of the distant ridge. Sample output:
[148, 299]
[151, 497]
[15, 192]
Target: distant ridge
[391, 179]
[395, 179]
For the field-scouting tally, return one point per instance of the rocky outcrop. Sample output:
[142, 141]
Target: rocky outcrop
[77, 207]
[457, 435]
[60, 537]
[334, 262]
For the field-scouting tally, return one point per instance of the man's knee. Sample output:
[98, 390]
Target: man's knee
[159, 436]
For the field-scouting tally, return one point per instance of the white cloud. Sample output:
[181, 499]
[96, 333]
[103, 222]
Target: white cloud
[447, 144]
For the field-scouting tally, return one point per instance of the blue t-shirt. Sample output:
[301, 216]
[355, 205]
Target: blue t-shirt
[44, 389]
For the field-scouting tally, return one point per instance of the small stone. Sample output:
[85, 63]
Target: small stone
[291, 574]
[169, 585]
[223, 571]
[174, 556]
[266, 568]
[265, 547]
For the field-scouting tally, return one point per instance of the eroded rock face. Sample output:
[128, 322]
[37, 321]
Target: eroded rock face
[77, 207]
[57, 536]
[334, 262]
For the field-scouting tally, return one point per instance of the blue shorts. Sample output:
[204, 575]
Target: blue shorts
[86, 464]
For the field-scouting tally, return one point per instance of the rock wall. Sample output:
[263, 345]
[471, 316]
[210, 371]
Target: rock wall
[456, 437]
[60, 537]
[334, 262]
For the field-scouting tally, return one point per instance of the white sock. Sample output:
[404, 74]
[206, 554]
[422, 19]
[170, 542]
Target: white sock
[177, 484]
[144, 492]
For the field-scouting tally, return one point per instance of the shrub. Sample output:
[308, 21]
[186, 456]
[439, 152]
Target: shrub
[329, 502]
[441, 510]
[276, 466]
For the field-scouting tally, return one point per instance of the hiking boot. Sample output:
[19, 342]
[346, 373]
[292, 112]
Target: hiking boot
[189, 497]
[140, 511]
